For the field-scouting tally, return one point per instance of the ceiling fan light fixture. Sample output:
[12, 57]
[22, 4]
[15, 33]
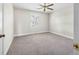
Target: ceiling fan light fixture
[46, 6]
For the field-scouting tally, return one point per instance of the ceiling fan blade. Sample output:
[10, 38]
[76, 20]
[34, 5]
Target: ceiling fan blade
[50, 8]
[44, 4]
[50, 5]
[41, 5]
[44, 9]
[40, 8]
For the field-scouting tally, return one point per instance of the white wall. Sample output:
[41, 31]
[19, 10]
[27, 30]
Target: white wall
[76, 22]
[61, 21]
[8, 26]
[23, 22]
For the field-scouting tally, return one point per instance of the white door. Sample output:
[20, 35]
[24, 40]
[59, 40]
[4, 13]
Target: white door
[6, 26]
[1, 29]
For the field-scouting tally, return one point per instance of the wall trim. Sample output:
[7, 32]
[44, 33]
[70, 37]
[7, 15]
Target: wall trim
[29, 34]
[62, 35]
[44, 32]
[5, 52]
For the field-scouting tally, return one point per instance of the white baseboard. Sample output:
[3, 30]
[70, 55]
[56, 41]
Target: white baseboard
[28, 34]
[44, 32]
[5, 52]
[62, 35]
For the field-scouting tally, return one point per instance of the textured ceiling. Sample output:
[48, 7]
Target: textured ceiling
[35, 6]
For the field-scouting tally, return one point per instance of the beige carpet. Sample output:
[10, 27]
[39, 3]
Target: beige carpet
[41, 44]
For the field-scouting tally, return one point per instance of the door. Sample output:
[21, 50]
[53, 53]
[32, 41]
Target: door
[6, 26]
[1, 29]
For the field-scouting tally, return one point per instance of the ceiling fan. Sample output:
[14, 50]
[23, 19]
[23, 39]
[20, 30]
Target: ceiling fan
[46, 6]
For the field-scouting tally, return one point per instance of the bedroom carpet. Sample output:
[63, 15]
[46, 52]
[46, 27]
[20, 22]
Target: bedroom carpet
[41, 44]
